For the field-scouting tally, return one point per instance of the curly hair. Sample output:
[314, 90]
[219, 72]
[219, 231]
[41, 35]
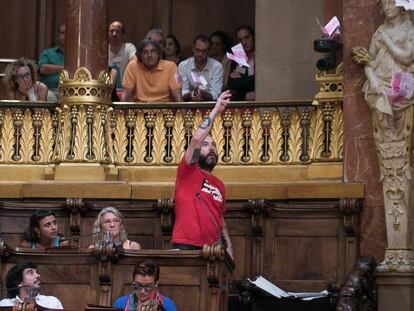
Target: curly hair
[15, 276]
[10, 73]
[98, 223]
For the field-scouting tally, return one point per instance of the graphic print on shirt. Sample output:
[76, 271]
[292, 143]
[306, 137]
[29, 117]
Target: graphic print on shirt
[213, 191]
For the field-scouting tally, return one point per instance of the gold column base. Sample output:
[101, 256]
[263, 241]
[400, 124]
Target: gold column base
[83, 132]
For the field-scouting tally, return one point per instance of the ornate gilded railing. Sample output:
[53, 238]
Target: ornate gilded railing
[136, 134]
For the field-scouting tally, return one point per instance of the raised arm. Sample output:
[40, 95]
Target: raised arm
[193, 152]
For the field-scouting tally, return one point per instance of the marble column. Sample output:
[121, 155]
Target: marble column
[86, 36]
[85, 92]
[361, 164]
[360, 20]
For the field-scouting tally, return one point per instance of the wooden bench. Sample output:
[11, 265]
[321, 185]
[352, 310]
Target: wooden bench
[302, 238]
[99, 276]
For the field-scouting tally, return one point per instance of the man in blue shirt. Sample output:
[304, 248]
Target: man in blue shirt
[51, 62]
[145, 284]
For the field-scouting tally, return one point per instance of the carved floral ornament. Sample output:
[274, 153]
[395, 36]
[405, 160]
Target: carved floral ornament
[83, 89]
[390, 54]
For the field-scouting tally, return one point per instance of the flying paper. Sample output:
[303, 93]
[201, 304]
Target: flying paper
[402, 87]
[198, 79]
[239, 55]
[407, 4]
[332, 27]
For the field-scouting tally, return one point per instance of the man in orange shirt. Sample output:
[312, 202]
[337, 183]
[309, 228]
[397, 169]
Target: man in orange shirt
[150, 79]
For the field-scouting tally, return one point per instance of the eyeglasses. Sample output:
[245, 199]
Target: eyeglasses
[24, 76]
[111, 221]
[147, 288]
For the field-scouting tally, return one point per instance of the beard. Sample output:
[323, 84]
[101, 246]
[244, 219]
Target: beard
[208, 162]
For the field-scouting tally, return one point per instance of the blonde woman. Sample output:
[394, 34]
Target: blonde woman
[110, 222]
[21, 81]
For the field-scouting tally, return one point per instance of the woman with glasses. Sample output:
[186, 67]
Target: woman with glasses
[21, 81]
[110, 225]
[42, 231]
[145, 289]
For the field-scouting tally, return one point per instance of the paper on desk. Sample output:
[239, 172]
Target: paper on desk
[407, 4]
[402, 87]
[198, 79]
[272, 289]
[239, 55]
[332, 27]
[269, 287]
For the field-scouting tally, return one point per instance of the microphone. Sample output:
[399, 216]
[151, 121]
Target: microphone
[62, 239]
[32, 293]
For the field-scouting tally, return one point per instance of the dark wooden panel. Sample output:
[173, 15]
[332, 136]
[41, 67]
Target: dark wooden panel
[305, 258]
[305, 227]
[20, 38]
[73, 276]
[301, 245]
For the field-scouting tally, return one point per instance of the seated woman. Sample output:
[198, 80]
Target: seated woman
[111, 221]
[42, 231]
[21, 81]
[241, 79]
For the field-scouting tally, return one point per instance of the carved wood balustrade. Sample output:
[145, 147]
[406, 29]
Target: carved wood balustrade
[156, 134]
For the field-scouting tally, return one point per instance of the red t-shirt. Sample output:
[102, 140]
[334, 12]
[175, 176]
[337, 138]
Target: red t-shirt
[199, 206]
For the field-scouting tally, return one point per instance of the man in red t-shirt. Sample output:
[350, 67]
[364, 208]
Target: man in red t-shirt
[199, 196]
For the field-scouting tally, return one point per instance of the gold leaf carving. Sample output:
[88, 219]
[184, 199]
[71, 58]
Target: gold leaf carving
[337, 134]
[65, 132]
[82, 74]
[198, 119]
[7, 137]
[98, 137]
[256, 139]
[81, 137]
[140, 140]
[236, 141]
[217, 132]
[46, 138]
[294, 137]
[275, 139]
[159, 139]
[316, 134]
[120, 138]
[27, 138]
[178, 142]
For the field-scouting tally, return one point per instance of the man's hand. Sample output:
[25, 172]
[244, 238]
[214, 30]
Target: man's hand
[222, 101]
[196, 95]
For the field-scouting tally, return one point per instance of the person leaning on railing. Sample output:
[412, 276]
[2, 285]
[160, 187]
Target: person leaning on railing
[21, 81]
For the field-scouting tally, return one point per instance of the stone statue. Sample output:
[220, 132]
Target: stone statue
[392, 51]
